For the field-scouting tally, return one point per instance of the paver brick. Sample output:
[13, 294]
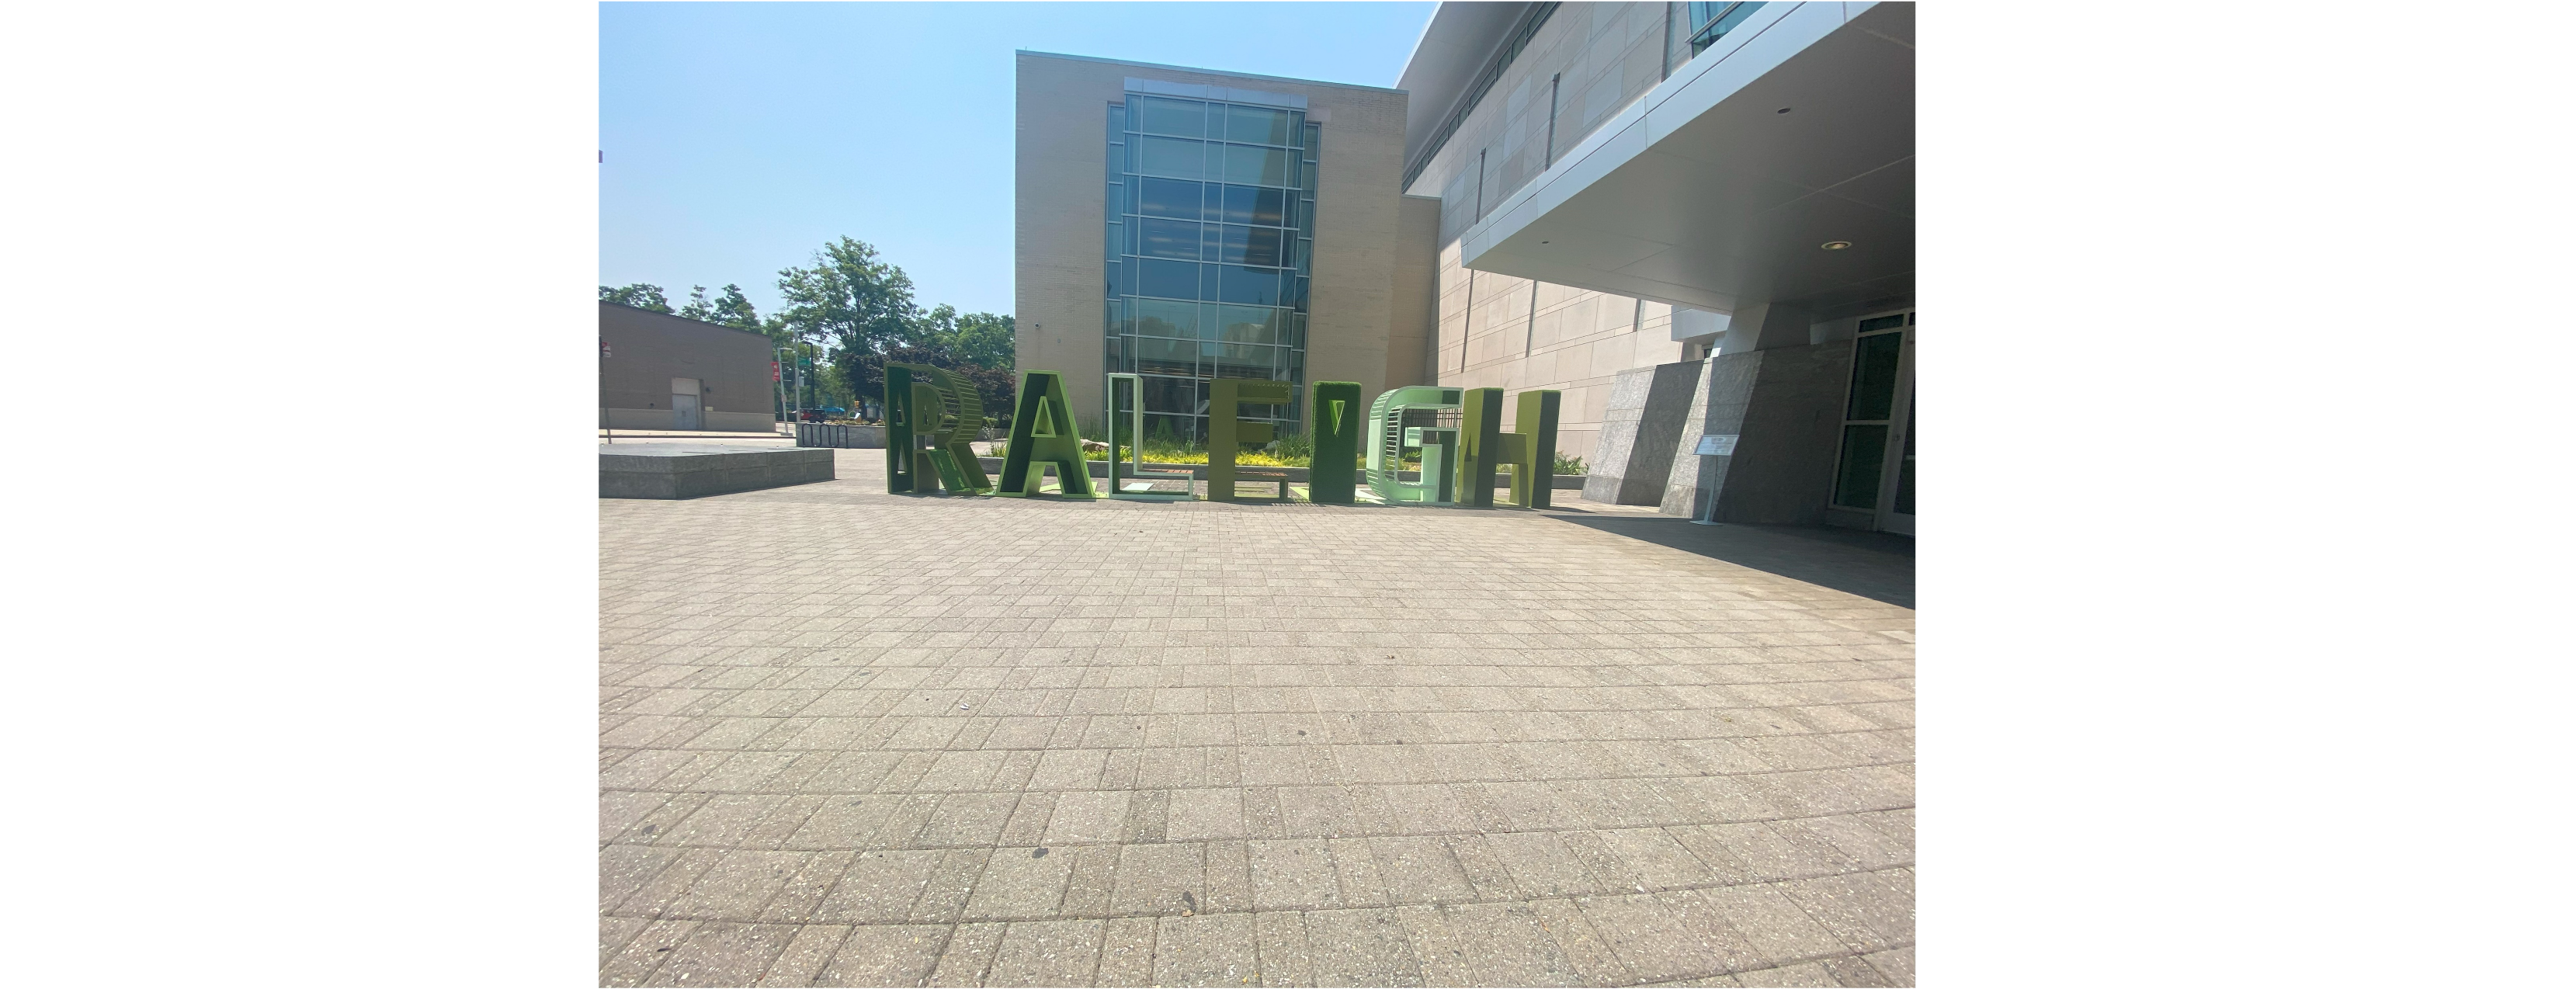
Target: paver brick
[1653, 943]
[1159, 878]
[1419, 869]
[1047, 953]
[722, 953]
[645, 952]
[1126, 952]
[879, 887]
[1206, 950]
[737, 886]
[1587, 759]
[1095, 816]
[1368, 947]
[968, 954]
[1020, 884]
[803, 892]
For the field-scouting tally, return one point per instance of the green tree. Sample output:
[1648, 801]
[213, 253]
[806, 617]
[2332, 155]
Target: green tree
[637, 296]
[698, 308]
[832, 388]
[730, 309]
[934, 328]
[863, 375]
[982, 339]
[850, 298]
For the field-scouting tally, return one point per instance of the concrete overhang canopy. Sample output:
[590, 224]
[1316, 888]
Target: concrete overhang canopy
[1455, 45]
[1703, 194]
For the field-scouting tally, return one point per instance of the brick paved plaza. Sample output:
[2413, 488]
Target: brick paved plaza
[852, 738]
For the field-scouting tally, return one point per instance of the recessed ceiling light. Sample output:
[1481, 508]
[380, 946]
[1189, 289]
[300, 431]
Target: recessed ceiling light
[1836, 245]
[1542, 242]
[1784, 109]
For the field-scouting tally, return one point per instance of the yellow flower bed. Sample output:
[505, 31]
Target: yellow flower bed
[1177, 455]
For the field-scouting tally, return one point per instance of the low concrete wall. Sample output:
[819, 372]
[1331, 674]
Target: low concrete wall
[716, 420]
[675, 470]
[841, 436]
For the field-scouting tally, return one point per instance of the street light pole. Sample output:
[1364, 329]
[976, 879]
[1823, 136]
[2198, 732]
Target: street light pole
[778, 380]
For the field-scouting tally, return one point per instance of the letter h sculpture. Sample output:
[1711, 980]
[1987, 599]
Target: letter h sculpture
[1534, 467]
[1529, 450]
[1482, 446]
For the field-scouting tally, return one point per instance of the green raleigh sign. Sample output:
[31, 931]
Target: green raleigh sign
[1456, 434]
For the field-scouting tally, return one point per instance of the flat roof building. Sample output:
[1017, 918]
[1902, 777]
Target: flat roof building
[665, 372]
[1694, 219]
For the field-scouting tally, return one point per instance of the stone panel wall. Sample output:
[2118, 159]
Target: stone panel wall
[1783, 405]
[1496, 331]
[1632, 461]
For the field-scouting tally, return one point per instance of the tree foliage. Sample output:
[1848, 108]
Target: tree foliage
[857, 309]
[864, 375]
[979, 338]
[729, 309]
[850, 298]
[984, 339]
[637, 296]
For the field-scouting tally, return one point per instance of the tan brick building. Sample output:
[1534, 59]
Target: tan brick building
[1188, 225]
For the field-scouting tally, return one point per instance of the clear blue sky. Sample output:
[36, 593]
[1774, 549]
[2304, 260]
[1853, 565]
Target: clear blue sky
[741, 136]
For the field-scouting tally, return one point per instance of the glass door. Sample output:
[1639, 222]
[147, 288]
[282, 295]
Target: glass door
[1898, 515]
[1875, 472]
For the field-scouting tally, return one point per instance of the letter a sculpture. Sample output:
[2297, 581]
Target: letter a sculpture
[1043, 435]
[1336, 431]
[931, 419]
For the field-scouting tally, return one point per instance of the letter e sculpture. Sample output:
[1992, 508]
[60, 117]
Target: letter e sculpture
[1229, 434]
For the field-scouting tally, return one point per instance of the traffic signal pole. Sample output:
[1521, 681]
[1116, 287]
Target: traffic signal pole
[778, 383]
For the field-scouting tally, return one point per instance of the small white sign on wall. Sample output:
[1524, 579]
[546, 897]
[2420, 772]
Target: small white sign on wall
[1717, 445]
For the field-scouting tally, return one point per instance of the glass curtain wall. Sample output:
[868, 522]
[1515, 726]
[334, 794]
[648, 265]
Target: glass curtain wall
[1711, 21]
[1210, 243]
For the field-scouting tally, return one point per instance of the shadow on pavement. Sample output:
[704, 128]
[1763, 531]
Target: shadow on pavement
[1875, 565]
